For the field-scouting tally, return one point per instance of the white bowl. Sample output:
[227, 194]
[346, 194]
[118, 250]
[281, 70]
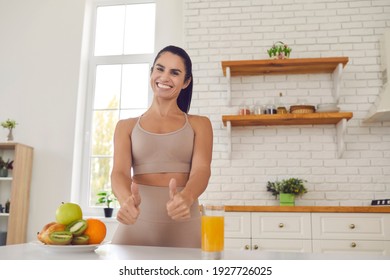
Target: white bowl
[327, 105]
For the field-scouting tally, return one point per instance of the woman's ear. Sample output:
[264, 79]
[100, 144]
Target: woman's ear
[186, 83]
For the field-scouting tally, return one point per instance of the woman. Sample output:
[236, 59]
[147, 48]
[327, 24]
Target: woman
[170, 154]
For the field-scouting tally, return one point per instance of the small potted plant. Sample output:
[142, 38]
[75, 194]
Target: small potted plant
[279, 50]
[106, 197]
[287, 189]
[5, 166]
[10, 125]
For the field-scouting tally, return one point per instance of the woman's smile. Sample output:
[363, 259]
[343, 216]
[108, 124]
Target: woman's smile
[163, 85]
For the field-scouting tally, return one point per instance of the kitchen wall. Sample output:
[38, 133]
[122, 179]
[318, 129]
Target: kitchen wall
[40, 54]
[240, 30]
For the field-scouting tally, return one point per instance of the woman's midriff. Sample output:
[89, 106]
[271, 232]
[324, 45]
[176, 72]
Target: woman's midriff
[161, 179]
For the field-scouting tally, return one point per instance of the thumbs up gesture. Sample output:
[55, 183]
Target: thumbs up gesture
[129, 211]
[178, 206]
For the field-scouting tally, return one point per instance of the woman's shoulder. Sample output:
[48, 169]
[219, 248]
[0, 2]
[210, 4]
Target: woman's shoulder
[127, 124]
[198, 121]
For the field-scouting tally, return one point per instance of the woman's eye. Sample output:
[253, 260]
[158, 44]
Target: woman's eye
[175, 73]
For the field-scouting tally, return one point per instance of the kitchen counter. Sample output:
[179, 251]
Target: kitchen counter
[313, 209]
[35, 251]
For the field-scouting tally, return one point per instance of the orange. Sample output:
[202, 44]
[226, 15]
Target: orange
[96, 230]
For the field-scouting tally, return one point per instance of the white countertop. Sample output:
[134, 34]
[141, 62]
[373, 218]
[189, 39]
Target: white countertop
[35, 251]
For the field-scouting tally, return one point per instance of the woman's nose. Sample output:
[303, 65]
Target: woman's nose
[164, 76]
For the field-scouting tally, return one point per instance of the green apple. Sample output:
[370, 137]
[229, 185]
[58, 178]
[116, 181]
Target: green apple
[68, 212]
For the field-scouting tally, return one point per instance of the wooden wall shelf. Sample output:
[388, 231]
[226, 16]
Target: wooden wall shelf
[286, 119]
[339, 119]
[333, 65]
[283, 66]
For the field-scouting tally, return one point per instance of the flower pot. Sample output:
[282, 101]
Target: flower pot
[3, 172]
[108, 212]
[10, 136]
[287, 199]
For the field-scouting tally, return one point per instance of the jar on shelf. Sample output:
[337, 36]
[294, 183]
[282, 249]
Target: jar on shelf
[270, 109]
[258, 109]
[244, 110]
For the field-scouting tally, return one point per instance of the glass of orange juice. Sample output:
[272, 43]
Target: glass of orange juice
[213, 227]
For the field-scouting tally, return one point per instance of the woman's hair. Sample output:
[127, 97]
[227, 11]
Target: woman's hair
[185, 95]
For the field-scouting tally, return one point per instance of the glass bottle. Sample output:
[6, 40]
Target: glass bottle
[281, 109]
[7, 206]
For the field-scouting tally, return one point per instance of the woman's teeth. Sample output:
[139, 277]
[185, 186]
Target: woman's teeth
[163, 86]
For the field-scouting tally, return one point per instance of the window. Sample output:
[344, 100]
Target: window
[119, 64]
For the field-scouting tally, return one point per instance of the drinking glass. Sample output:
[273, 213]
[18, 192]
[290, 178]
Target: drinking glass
[213, 227]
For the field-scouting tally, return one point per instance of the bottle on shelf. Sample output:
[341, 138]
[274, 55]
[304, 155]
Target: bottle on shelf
[280, 107]
[7, 206]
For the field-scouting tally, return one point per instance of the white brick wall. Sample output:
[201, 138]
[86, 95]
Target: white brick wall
[237, 30]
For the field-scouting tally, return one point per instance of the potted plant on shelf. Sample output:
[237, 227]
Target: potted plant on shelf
[287, 189]
[106, 197]
[10, 125]
[279, 50]
[5, 166]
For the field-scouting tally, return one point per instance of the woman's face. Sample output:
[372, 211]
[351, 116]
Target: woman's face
[168, 76]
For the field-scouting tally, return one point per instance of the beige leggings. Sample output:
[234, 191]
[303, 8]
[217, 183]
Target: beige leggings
[155, 228]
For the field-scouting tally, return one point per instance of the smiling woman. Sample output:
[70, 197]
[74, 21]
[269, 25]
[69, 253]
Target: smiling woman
[169, 152]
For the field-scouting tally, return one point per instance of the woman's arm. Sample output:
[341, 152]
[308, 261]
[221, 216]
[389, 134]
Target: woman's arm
[121, 183]
[179, 205]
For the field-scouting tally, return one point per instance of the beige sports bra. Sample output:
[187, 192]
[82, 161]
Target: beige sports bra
[160, 153]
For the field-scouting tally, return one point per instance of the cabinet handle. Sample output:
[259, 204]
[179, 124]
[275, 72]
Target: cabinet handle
[352, 226]
[353, 244]
[255, 247]
[246, 247]
[281, 225]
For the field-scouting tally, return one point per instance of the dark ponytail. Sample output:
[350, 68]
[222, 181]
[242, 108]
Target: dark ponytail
[185, 95]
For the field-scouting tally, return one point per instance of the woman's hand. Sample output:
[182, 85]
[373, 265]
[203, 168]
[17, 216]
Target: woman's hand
[178, 207]
[129, 210]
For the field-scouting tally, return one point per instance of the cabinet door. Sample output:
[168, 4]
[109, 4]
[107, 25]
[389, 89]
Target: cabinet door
[360, 226]
[349, 246]
[282, 245]
[237, 225]
[281, 225]
[238, 243]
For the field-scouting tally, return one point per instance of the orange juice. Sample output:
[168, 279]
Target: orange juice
[212, 233]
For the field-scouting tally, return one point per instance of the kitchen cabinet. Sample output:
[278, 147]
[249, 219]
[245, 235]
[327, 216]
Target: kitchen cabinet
[277, 232]
[319, 229]
[332, 65]
[351, 232]
[16, 188]
[238, 230]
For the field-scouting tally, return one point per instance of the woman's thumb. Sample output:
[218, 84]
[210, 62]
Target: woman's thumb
[172, 188]
[135, 194]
